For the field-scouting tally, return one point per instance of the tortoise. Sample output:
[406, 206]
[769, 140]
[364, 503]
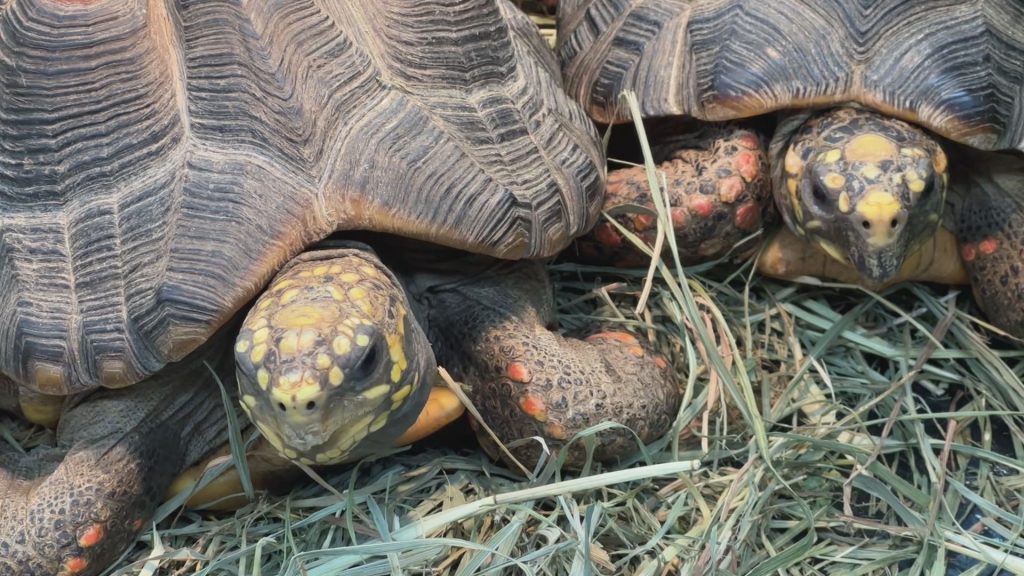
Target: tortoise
[888, 135]
[319, 200]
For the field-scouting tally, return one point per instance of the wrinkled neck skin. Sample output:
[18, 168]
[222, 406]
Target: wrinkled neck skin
[865, 188]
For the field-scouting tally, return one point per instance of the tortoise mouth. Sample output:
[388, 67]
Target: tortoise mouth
[316, 444]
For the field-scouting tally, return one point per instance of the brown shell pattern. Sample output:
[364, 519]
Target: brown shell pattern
[160, 160]
[954, 67]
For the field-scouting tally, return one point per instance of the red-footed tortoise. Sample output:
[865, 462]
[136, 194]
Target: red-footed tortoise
[165, 164]
[892, 119]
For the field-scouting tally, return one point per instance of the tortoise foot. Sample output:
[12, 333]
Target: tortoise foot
[990, 229]
[74, 507]
[719, 193]
[492, 325]
[546, 386]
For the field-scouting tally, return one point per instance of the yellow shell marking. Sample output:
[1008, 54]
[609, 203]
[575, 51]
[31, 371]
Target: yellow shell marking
[832, 250]
[791, 185]
[49, 377]
[272, 436]
[401, 393]
[376, 392]
[379, 422]
[871, 171]
[263, 378]
[336, 293]
[283, 284]
[844, 202]
[303, 315]
[341, 345]
[832, 155]
[307, 339]
[869, 148]
[335, 376]
[258, 353]
[792, 162]
[879, 208]
[288, 345]
[298, 391]
[288, 296]
[834, 180]
[362, 339]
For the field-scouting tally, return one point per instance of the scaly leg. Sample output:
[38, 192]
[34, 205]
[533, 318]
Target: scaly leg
[74, 507]
[718, 189]
[990, 228]
[493, 330]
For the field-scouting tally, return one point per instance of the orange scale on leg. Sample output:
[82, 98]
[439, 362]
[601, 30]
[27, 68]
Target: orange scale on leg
[518, 372]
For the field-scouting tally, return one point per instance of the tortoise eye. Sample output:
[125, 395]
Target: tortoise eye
[929, 186]
[366, 364]
[819, 197]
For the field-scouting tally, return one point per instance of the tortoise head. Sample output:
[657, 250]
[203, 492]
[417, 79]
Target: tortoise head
[331, 363]
[866, 188]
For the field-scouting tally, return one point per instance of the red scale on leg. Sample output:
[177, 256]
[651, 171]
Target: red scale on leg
[518, 372]
[988, 246]
[968, 252]
[92, 536]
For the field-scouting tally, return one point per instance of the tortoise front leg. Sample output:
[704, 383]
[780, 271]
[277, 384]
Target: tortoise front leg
[494, 330]
[990, 229]
[73, 508]
[718, 188]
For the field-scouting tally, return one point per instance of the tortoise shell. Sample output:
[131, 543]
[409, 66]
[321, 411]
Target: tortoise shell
[159, 161]
[957, 68]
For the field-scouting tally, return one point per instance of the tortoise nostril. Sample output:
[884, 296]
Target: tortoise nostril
[865, 224]
[894, 224]
[281, 407]
[310, 406]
